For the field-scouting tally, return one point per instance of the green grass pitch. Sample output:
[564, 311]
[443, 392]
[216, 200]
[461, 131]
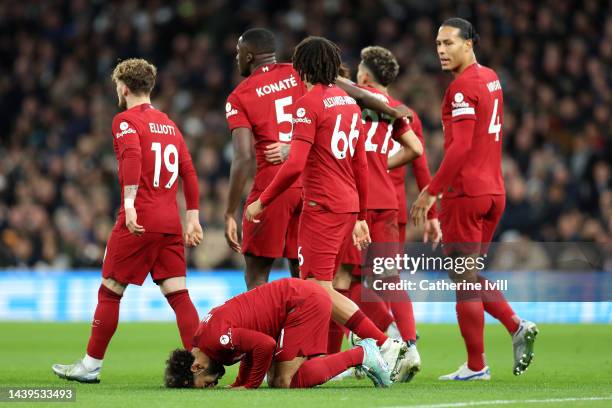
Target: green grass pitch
[572, 363]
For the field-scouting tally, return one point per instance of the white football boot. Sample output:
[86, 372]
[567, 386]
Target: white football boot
[77, 372]
[465, 374]
[411, 365]
[394, 352]
[522, 345]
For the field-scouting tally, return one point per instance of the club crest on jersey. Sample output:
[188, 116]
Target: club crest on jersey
[229, 111]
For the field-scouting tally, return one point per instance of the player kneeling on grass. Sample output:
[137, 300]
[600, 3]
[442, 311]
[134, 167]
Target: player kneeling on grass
[280, 328]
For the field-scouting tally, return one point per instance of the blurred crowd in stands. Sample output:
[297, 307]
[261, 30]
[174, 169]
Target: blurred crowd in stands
[58, 185]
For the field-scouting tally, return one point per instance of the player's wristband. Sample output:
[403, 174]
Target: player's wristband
[128, 203]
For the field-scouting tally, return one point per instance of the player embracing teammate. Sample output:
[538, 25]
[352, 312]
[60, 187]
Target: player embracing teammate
[471, 187]
[259, 115]
[328, 151]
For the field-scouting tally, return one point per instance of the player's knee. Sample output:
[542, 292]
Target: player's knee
[114, 286]
[171, 285]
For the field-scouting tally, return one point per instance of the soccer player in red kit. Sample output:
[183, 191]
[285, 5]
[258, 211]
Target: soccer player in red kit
[259, 113]
[471, 185]
[147, 237]
[279, 328]
[377, 70]
[327, 150]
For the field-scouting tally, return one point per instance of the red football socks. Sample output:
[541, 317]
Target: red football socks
[104, 323]
[374, 308]
[497, 306]
[470, 315]
[363, 327]
[401, 307]
[187, 318]
[319, 370]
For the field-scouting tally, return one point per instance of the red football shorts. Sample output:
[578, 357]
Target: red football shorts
[468, 223]
[275, 235]
[383, 229]
[322, 237]
[306, 328]
[129, 259]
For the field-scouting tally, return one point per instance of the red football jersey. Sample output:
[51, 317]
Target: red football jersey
[381, 130]
[330, 120]
[263, 309]
[164, 158]
[476, 94]
[263, 102]
[419, 169]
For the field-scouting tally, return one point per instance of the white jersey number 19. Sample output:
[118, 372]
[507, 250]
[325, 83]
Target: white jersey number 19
[170, 161]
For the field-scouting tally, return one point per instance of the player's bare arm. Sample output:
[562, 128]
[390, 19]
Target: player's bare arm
[367, 100]
[193, 230]
[277, 153]
[242, 163]
[412, 148]
[129, 197]
[285, 177]
[455, 155]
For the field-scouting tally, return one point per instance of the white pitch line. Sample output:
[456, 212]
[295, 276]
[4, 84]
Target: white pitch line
[504, 402]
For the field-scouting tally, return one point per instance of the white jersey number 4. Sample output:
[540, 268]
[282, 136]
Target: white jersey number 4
[495, 123]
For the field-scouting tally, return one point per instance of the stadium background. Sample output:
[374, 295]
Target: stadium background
[58, 186]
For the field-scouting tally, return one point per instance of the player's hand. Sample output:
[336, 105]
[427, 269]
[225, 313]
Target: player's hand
[253, 210]
[418, 212]
[402, 111]
[193, 230]
[361, 235]
[432, 232]
[131, 224]
[231, 233]
[277, 153]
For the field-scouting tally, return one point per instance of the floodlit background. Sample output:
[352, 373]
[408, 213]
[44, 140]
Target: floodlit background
[58, 186]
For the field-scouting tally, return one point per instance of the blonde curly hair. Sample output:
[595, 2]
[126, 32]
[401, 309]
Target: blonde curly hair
[137, 74]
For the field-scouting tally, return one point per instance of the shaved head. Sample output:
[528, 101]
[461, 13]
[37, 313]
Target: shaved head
[259, 41]
[255, 46]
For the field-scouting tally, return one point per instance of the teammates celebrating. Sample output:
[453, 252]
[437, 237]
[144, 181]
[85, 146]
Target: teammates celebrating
[325, 188]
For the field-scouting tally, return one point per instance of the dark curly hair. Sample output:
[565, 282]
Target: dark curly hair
[317, 60]
[381, 62]
[178, 369]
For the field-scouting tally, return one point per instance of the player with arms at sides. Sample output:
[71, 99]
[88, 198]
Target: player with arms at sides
[279, 328]
[259, 113]
[377, 70]
[471, 186]
[147, 237]
[328, 151]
